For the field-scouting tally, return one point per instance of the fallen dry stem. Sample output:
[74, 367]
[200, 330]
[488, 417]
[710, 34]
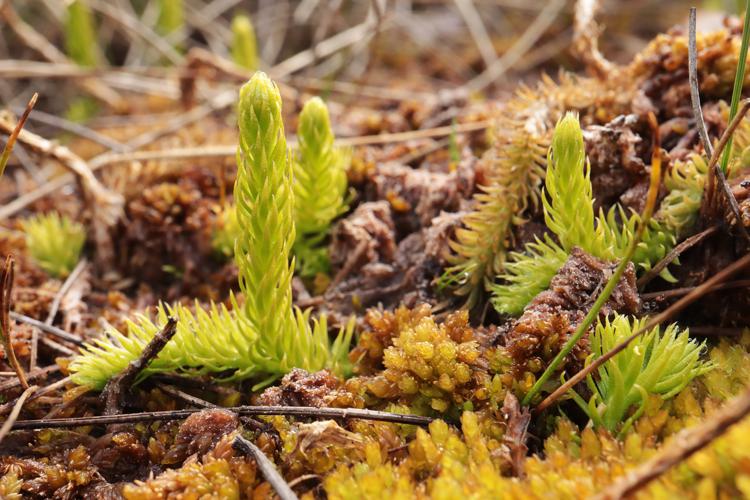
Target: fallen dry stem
[290, 411]
[14, 134]
[52, 330]
[266, 468]
[695, 97]
[5, 429]
[680, 448]
[674, 253]
[678, 306]
[119, 386]
[7, 333]
[103, 200]
[716, 172]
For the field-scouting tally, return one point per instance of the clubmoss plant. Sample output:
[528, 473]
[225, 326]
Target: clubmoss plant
[569, 214]
[265, 337]
[654, 363]
[244, 42]
[80, 35]
[515, 169]
[319, 186]
[54, 242]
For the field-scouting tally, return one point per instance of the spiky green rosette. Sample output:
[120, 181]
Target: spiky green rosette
[319, 185]
[55, 242]
[569, 215]
[244, 43]
[265, 337]
[653, 363]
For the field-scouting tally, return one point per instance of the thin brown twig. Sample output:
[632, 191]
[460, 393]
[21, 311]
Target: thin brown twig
[31, 377]
[695, 97]
[674, 253]
[677, 292]
[66, 286]
[52, 330]
[118, 386]
[8, 149]
[684, 444]
[715, 172]
[7, 334]
[693, 295]
[184, 396]
[8, 424]
[266, 468]
[106, 200]
[7, 407]
[291, 411]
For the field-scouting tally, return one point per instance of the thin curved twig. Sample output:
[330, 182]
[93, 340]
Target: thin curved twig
[291, 411]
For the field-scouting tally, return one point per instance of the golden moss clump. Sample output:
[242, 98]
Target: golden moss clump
[367, 356]
[440, 464]
[432, 365]
[217, 475]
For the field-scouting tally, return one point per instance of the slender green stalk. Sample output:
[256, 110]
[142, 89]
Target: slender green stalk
[611, 284]
[739, 80]
[244, 43]
[80, 35]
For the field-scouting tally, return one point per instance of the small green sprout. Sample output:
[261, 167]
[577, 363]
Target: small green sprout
[569, 214]
[319, 185]
[171, 16]
[244, 43]
[654, 363]
[80, 35]
[54, 242]
[265, 337]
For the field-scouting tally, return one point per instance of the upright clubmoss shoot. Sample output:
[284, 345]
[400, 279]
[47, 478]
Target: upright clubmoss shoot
[319, 185]
[569, 214]
[54, 242]
[80, 35]
[265, 337]
[244, 42]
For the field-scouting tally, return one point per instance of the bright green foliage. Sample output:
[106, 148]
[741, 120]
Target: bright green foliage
[319, 185]
[54, 242]
[265, 337]
[171, 16]
[207, 341]
[569, 214]
[653, 363]
[244, 43]
[265, 211]
[685, 181]
[226, 231]
[514, 170]
[80, 34]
